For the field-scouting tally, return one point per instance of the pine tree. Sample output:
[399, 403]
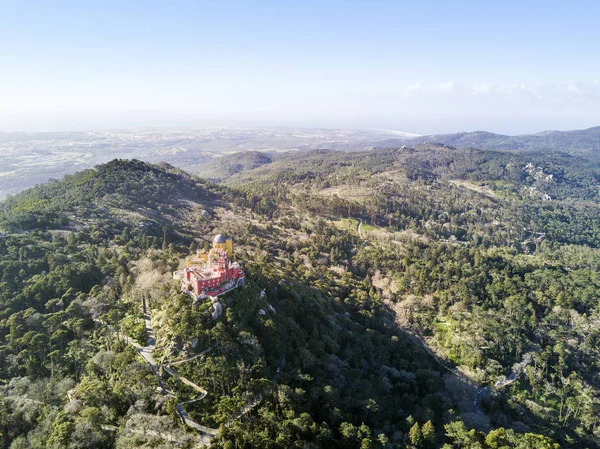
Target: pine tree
[428, 432]
[415, 435]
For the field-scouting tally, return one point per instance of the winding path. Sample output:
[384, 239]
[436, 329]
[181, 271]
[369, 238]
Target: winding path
[207, 433]
[146, 352]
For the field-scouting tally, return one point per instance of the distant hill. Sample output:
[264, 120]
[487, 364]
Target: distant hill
[120, 192]
[224, 167]
[34, 158]
[585, 142]
[557, 175]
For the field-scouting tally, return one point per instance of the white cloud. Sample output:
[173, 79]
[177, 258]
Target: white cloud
[413, 89]
[448, 87]
[574, 89]
[482, 89]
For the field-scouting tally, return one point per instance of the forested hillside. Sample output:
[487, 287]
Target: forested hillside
[426, 297]
[584, 142]
[489, 257]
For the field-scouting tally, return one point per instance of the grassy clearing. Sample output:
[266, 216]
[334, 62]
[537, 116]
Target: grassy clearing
[347, 224]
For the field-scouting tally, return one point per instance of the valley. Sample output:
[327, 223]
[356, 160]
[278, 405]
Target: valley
[34, 158]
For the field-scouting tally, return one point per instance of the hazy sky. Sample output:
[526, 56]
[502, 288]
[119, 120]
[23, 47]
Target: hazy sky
[416, 66]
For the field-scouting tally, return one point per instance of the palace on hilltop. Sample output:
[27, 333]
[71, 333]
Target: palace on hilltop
[211, 273]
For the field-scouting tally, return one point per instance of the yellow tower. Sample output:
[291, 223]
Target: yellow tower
[220, 243]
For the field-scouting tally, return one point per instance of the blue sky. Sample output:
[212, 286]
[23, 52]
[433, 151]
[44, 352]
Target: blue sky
[416, 66]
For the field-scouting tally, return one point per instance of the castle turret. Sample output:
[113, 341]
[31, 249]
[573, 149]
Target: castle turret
[221, 243]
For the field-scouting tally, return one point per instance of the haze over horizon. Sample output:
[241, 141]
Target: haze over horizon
[422, 68]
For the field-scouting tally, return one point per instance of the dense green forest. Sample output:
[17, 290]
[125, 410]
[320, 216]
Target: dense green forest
[420, 297]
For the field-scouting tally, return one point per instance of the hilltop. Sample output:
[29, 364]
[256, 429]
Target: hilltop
[227, 166]
[120, 193]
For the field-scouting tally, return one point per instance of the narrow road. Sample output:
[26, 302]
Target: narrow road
[245, 409]
[207, 433]
[200, 354]
[146, 352]
[517, 370]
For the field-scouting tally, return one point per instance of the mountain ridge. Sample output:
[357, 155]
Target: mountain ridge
[581, 142]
